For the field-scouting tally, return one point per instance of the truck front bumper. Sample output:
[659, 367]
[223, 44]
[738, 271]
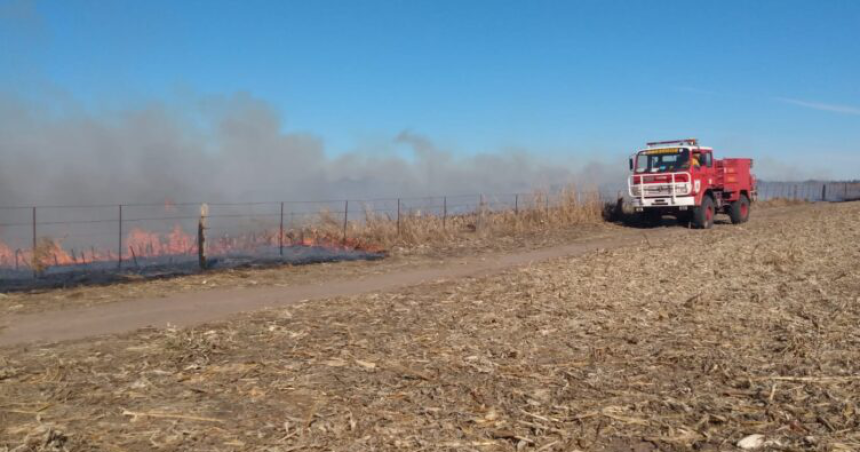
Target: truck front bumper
[678, 201]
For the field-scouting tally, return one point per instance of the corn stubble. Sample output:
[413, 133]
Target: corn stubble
[655, 347]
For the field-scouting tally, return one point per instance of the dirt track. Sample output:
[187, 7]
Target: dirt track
[191, 308]
[185, 309]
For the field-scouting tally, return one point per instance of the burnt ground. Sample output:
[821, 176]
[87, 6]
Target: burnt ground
[694, 340]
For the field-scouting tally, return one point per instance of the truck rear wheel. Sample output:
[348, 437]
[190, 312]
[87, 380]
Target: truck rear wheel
[739, 211]
[703, 216]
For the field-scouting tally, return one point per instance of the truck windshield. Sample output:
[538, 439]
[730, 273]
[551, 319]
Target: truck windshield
[662, 160]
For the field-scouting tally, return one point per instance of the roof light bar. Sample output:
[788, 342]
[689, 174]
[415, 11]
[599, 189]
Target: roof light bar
[688, 141]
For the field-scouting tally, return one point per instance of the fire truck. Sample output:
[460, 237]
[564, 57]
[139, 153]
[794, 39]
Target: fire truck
[684, 179]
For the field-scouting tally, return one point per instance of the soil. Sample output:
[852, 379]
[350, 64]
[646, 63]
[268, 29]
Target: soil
[684, 340]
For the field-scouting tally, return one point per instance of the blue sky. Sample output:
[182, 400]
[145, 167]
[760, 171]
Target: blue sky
[776, 80]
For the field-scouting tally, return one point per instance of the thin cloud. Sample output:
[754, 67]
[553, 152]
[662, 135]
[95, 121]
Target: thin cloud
[844, 109]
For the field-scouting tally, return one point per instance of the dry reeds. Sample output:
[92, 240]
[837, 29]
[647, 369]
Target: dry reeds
[44, 255]
[781, 202]
[541, 210]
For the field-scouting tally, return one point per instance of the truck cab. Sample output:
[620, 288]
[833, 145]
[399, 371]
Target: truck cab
[684, 179]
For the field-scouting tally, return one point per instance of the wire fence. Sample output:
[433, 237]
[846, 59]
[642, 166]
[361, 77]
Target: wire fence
[35, 240]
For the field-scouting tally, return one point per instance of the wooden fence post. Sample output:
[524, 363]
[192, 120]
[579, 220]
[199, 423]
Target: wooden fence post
[398, 217]
[281, 233]
[201, 237]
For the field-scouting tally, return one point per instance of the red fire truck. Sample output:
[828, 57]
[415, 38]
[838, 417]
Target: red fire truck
[684, 179]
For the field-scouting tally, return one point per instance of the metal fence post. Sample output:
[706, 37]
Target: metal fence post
[35, 244]
[444, 212]
[281, 232]
[398, 216]
[345, 219]
[480, 222]
[824, 192]
[516, 204]
[119, 248]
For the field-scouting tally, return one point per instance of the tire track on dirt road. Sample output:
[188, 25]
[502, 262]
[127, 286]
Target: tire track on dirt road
[193, 308]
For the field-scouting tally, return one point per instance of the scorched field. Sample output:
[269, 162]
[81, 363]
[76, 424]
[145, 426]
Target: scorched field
[740, 337]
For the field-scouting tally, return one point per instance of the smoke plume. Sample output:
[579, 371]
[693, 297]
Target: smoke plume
[232, 149]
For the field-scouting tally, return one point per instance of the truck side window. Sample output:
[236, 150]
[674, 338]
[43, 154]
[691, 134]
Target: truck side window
[706, 161]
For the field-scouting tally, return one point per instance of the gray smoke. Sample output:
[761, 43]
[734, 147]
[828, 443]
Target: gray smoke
[234, 149]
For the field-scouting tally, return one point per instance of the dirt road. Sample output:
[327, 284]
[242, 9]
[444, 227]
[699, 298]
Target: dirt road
[191, 308]
[185, 309]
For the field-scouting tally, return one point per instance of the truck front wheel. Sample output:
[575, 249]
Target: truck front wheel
[739, 211]
[703, 216]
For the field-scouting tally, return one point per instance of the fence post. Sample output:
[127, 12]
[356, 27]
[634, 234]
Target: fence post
[281, 232]
[35, 244]
[480, 223]
[824, 192]
[345, 219]
[398, 217]
[292, 228]
[201, 237]
[444, 213]
[844, 196]
[119, 247]
[794, 196]
[516, 204]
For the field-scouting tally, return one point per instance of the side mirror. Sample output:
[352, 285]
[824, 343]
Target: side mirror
[631, 163]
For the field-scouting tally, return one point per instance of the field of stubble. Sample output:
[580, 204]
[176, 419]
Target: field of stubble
[698, 341]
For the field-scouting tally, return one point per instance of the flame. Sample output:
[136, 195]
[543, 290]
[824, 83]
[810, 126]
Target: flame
[7, 256]
[145, 243]
[141, 243]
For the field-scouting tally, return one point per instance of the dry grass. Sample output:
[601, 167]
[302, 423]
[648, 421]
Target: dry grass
[655, 347]
[44, 255]
[381, 231]
[780, 202]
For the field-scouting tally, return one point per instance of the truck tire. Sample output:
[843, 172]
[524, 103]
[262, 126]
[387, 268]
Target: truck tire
[703, 216]
[739, 211]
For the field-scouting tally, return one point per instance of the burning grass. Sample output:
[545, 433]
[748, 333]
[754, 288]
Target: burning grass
[374, 233]
[638, 348]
